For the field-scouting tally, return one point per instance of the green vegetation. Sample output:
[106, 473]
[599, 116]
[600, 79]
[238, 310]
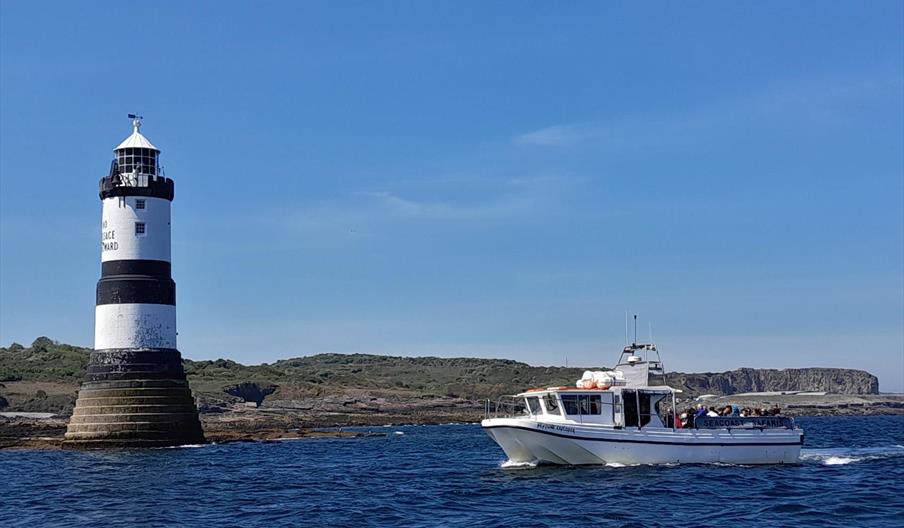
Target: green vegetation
[471, 378]
[409, 377]
[44, 360]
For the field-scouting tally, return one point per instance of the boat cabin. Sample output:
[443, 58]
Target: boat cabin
[617, 406]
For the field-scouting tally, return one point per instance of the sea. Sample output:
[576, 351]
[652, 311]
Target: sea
[851, 474]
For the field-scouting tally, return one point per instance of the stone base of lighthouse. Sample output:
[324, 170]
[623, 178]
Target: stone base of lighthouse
[134, 398]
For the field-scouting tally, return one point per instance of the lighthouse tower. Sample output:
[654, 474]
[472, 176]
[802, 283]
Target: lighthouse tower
[135, 393]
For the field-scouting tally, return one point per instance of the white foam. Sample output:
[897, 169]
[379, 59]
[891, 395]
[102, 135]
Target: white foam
[839, 461]
[33, 415]
[511, 464]
[398, 433]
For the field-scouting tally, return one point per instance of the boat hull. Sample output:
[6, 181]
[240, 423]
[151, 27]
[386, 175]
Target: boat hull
[531, 441]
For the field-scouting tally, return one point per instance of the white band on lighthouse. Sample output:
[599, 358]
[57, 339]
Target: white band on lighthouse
[135, 228]
[135, 326]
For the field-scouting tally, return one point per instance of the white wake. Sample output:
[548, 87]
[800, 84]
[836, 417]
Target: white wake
[840, 456]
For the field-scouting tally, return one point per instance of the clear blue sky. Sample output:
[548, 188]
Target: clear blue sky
[474, 179]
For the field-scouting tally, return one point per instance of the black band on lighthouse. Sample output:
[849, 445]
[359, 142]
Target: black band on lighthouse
[116, 290]
[125, 363]
[159, 187]
[160, 269]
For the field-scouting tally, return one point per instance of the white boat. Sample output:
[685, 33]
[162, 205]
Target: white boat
[629, 421]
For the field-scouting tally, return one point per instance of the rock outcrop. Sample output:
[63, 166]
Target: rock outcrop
[833, 380]
[251, 391]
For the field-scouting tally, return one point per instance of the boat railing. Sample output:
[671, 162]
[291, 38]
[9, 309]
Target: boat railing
[744, 422]
[504, 407]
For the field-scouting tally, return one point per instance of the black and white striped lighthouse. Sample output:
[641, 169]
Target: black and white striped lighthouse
[135, 393]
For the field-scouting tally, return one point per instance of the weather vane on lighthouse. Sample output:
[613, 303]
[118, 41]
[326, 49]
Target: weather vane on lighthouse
[136, 121]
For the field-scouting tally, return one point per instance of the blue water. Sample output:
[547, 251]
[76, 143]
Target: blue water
[851, 474]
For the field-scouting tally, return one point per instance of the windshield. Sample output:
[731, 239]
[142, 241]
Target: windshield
[552, 404]
[533, 403]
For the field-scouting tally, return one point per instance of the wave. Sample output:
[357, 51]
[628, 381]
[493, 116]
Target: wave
[511, 464]
[840, 456]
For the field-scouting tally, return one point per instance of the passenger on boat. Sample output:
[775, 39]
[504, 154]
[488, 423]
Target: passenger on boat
[701, 411]
[690, 418]
[712, 412]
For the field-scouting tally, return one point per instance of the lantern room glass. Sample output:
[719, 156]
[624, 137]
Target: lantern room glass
[144, 159]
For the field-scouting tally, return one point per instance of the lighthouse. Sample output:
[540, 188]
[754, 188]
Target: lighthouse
[135, 393]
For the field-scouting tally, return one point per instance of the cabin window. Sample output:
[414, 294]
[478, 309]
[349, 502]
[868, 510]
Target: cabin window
[629, 399]
[637, 407]
[591, 404]
[533, 403]
[644, 408]
[570, 403]
[139, 228]
[139, 204]
[581, 404]
[552, 406]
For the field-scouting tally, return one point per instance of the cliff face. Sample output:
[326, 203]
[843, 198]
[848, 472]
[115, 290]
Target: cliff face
[841, 381]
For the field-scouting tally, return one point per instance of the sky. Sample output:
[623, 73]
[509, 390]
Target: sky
[500, 179]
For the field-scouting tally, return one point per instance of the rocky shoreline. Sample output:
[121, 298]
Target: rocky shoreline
[47, 433]
[326, 418]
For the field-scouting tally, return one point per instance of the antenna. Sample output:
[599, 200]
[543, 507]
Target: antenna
[635, 329]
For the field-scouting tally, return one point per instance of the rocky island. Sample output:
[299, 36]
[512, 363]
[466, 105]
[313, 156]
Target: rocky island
[303, 396]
